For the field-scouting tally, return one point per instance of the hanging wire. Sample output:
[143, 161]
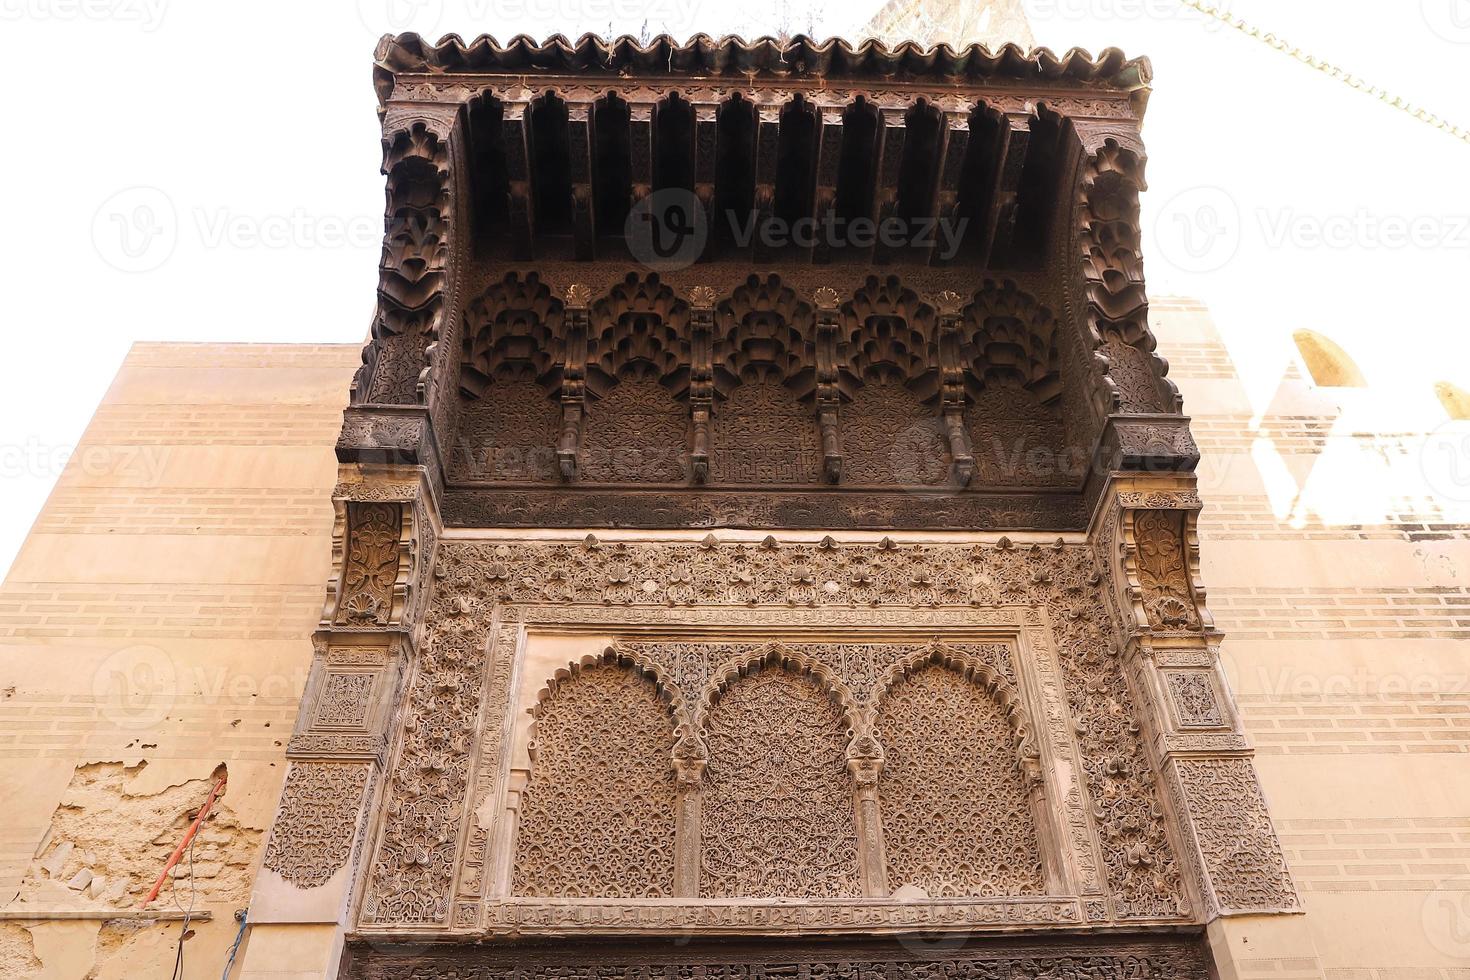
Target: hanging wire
[242, 915]
[188, 914]
[1329, 69]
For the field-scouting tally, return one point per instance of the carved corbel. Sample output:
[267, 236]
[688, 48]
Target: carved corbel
[574, 380]
[701, 375]
[516, 134]
[706, 149]
[1160, 558]
[892, 131]
[767, 145]
[828, 399]
[372, 545]
[584, 222]
[952, 386]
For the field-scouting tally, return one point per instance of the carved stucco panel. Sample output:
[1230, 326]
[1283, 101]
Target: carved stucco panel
[317, 822]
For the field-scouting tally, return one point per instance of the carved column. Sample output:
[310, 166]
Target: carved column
[690, 759]
[1148, 541]
[865, 765]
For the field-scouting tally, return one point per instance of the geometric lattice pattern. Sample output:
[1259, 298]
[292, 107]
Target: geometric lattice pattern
[597, 818]
[956, 821]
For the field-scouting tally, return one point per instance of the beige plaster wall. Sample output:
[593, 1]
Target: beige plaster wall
[154, 634]
[1339, 574]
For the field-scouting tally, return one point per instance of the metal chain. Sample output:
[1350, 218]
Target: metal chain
[1329, 69]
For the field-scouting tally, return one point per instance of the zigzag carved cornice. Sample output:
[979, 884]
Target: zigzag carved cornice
[800, 58]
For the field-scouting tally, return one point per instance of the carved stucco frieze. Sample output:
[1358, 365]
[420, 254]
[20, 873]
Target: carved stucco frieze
[1137, 959]
[316, 825]
[1230, 825]
[412, 881]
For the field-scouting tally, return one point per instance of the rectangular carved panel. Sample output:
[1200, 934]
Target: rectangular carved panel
[1155, 958]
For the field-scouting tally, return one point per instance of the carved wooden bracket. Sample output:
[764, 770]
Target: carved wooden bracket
[573, 380]
[701, 376]
[829, 398]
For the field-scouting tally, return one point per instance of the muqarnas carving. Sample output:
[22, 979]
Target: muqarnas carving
[637, 423]
[597, 817]
[764, 427]
[1112, 270]
[1007, 352]
[510, 377]
[887, 372]
[413, 271]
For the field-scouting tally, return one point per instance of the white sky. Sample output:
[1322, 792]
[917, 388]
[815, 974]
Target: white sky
[253, 124]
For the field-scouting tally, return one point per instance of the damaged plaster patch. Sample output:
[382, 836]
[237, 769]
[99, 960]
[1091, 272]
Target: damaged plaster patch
[113, 832]
[17, 953]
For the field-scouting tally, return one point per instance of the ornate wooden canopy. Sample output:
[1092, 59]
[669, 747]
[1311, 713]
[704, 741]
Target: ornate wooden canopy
[915, 293]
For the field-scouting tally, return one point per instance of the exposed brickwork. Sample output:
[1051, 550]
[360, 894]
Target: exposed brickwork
[1392, 854]
[252, 612]
[1441, 612]
[185, 510]
[1391, 724]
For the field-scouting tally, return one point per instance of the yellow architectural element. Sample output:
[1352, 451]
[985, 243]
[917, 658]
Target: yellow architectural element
[1456, 400]
[1329, 364]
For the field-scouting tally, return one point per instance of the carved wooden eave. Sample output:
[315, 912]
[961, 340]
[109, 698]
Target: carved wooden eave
[511, 169]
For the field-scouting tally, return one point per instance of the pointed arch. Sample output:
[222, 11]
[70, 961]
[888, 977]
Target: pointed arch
[597, 818]
[778, 809]
[960, 819]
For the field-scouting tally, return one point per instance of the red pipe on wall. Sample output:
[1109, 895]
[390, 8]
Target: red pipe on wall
[173, 858]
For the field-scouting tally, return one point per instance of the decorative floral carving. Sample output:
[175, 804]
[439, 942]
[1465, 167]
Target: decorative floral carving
[1163, 575]
[778, 816]
[597, 818]
[636, 433]
[345, 699]
[1247, 871]
[956, 818]
[371, 563]
[1194, 699]
[414, 864]
[314, 829]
